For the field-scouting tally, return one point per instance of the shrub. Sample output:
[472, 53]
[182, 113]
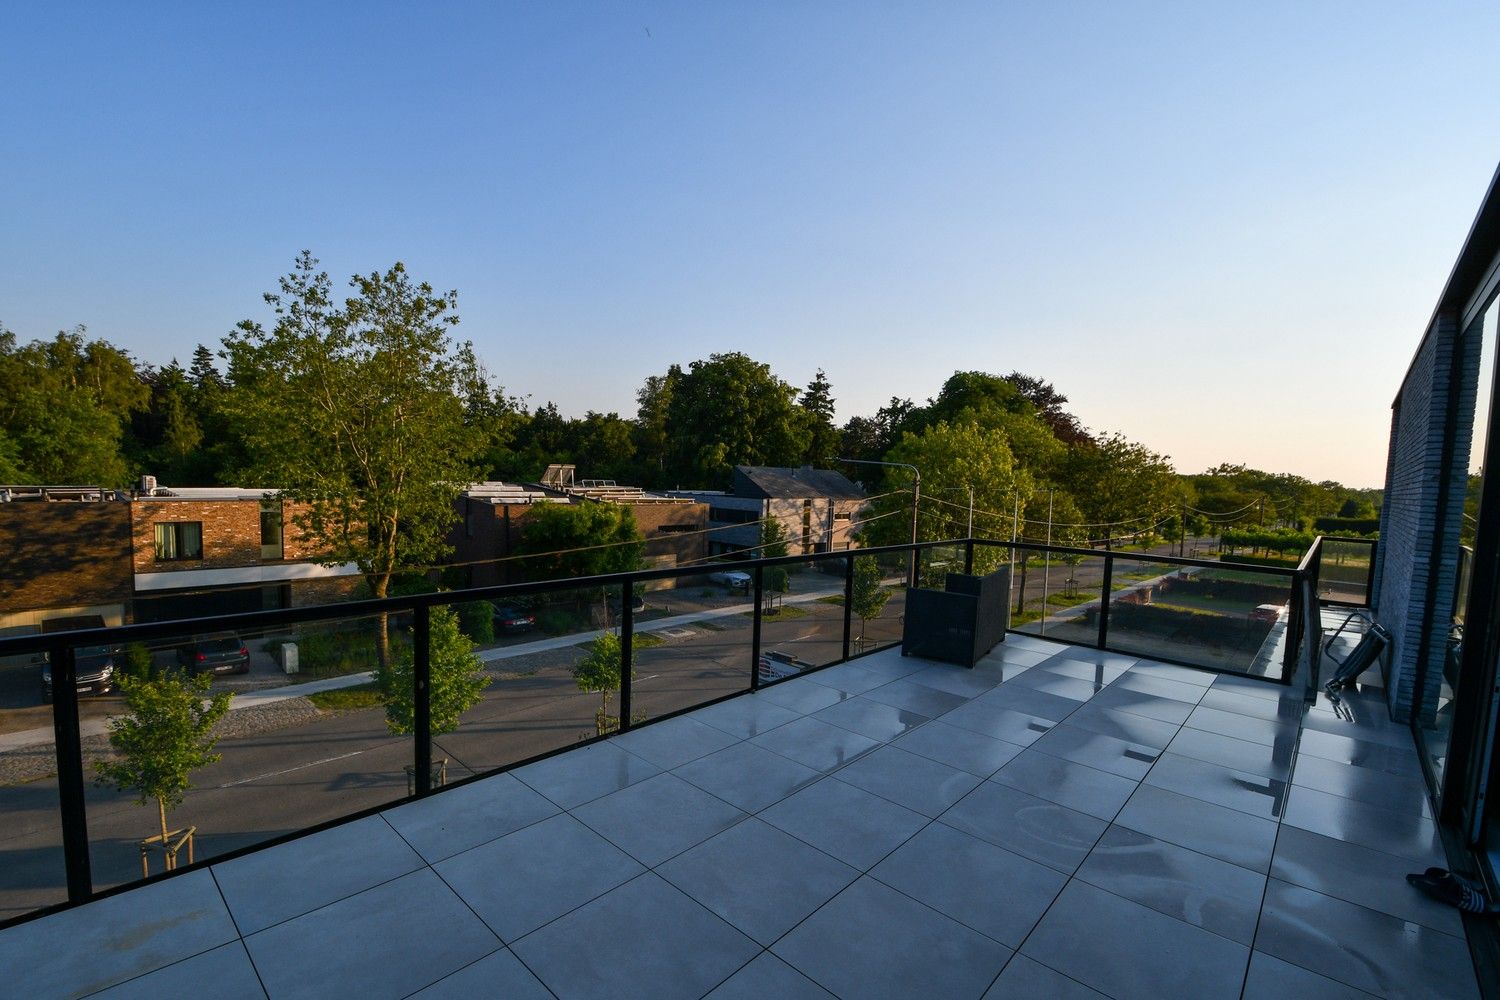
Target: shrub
[477, 621]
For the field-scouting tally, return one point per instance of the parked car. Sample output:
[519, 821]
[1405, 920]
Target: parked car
[94, 670]
[732, 578]
[1268, 613]
[512, 619]
[218, 652]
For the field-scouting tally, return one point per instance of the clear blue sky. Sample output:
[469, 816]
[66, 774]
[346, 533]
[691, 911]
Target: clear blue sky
[1213, 226]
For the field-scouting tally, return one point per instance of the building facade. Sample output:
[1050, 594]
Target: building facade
[817, 509]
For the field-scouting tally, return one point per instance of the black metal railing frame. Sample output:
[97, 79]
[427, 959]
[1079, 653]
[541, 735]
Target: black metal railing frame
[60, 649]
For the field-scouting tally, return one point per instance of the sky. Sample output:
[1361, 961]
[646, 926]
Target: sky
[1219, 229]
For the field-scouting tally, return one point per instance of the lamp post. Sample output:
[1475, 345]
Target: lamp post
[916, 494]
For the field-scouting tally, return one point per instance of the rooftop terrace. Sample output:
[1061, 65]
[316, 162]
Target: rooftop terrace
[1059, 821]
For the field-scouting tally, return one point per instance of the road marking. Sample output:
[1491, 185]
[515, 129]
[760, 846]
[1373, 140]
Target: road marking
[289, 770]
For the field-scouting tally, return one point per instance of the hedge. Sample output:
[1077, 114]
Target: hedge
[1187, 626]
[1347, 525]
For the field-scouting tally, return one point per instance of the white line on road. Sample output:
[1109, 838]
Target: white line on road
[289, 770]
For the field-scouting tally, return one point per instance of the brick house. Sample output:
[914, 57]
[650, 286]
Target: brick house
[816, 508]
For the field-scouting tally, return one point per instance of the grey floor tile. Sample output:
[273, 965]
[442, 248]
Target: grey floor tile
[802, 694]
[683, 950]
[499, 976]
[1358, 875]
[226, 967]
[873, 942]
[1080, 788]
[1060, 684]
[1160, 687]
[657, 818]
[128, 935]
[1043, 831]
[1013, 653]
[769, 977]
[1242, 755]
[1106, 753]
[459, 818]
[747, 776]
[746, 716]
[520, 882]
[955, 680]
[393, 939]
[1149, 705]
[889, 663]
[576, 777]
[1000, 894]
[910, 780]
[1357, 946]
[815, 744]
[1358, 753]
[968, 751]
[1272, 979]
[1123, 726]
[1253, 794]
[998, 722]
[1218, 831]
[1024, 979]
[270, 886]
[759, 879]
[1192, 887]
[847, 822]
[1099, 667]
[870, 719]
[1286, 709]
[1128, 950]
[1249, 688]
[1363, 784]
[849, 679]
[1402, 833]
[1370, 728]
[673, 742]
[1242, 727]
[1173, 672]
[917, 698]
[1029, 701]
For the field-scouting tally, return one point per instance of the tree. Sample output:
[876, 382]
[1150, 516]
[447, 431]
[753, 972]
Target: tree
[598, 671]
[591, 538]
[355, 413]
[869, 594]
[773, 546]
[457, 682]
[1121, 486]
[729, 410]
[166, 736]
[870, 438]
[822, 437]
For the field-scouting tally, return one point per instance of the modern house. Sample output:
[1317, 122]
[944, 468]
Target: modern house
[815, 507]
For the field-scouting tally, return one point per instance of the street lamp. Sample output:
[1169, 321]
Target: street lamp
[916, 494]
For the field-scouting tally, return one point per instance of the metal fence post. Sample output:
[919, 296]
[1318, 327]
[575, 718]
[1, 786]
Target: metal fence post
[422, 697]
[69, 752]
[1104, 592]
[755, 616]
[848, 601]
[969, 557]
[627, 648]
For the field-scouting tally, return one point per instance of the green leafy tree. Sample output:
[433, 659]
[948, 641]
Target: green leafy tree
[167, 735]
[870, 594]
[458, 678]
[1120, 486]
[773, 546]
[729, 410]
[598, 671]
[580, 539]
[355, 413]
[822, 436]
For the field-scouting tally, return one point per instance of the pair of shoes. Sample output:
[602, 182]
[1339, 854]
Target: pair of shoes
[1455, 890]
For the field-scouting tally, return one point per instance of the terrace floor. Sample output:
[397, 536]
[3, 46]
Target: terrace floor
[1057, 822]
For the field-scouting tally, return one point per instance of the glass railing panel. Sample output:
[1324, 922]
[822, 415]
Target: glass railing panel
[1222, 618]
[1344, 571]
[879, 607]
[936, 562]
[693, 638]
[31, 857]
[806, 630]
[1057, 595]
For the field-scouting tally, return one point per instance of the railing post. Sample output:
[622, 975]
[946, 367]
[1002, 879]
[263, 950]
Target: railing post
[1370, 577]
[1104, 592]
[969, 557]
[1293, 641]
[422, 697]
[627, 649]
[69, 751]
[848, 601]
[755, 616]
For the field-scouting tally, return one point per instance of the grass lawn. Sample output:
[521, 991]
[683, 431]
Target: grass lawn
[349, 699]
[785, 612]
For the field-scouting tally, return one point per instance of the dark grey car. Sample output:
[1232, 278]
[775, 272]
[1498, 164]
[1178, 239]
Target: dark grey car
[219, 653]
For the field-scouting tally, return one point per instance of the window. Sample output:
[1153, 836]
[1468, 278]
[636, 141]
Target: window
[675, 529]
[179, 540]
[270, 529]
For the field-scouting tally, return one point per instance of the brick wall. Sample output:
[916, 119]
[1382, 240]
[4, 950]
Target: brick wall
[231, 533]
[681, 547]
[63, 554]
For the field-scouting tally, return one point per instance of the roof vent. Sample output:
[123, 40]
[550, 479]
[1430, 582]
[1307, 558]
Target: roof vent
[148, 486]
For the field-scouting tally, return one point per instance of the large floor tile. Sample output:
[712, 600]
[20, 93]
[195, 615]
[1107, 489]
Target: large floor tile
[1043, 831]
[968, 751]
[1080, 788]
[1218, 831]
[849, 679]
[815, 744]
[1105, 753]
[1272, 979]
[747, 776]
[769, 977]
[1374, 726]
[1024, 979]
[580, 775]
[1357, 946]
[270, 886]
[873, 942]
[955, 680]
[498, 976]
[680, 950]
[998, 722]
[1159, 687]
[1030, 701]
[802, 695]
[1358, 875]
[919, 699]
[392, 940]
[1130, 951]
[227, 968]
[657, 818]
[1242, 755]
[1078, 665]
[849, 823]
[457, 819]
[521, 881]
[870, 718]
[1242, 727]
[1138, 703]
[1363, 784]
[1402, 833]
[1192, 887]
[1286, 709]
[910, 780]
[127, 935]
[1249, 688]
[746, 716]
[1253, 794]
[1000, 894]
[1348, 750]
[673, 742]
[1124, 726]
[759, 879]
[1174, 672]
[1060, 684]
